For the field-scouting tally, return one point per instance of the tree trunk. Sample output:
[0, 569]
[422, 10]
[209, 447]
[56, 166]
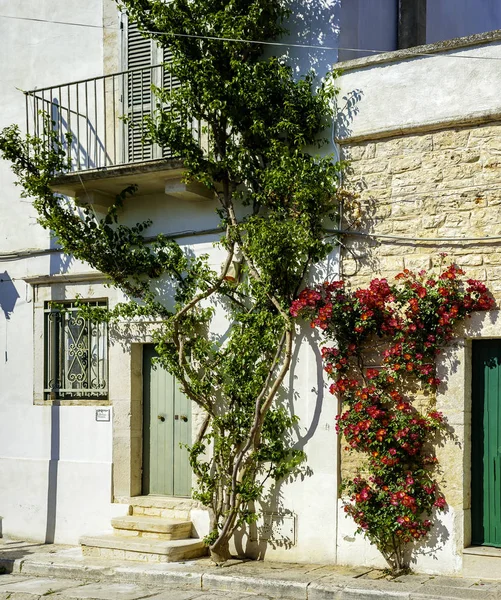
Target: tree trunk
[220, 551]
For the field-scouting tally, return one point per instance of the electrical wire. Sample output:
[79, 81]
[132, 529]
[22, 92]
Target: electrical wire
[408, 238]
[260, 42]
[342, 232]
[311, 46]
[183, 234]
[31, 253]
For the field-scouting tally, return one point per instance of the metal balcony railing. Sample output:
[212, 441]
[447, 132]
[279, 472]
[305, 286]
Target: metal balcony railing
[105, 117]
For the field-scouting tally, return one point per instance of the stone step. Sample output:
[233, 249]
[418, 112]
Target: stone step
[163, 506]
[142, 549]
[152, 527]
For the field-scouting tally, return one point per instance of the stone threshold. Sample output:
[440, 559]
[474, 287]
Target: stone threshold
[483, 551]
[166, 502]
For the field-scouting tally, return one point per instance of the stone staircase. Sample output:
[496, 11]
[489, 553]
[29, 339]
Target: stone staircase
[157, 529]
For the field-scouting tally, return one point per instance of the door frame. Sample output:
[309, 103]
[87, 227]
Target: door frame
[126, 397]
[481, 327]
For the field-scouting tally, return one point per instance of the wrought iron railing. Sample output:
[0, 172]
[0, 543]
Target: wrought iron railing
[104, 116]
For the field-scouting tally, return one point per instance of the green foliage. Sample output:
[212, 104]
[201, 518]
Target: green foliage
[257, 121]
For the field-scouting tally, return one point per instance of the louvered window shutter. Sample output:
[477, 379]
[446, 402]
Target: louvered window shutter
[170, 83]
[142, 54]
[140, 59]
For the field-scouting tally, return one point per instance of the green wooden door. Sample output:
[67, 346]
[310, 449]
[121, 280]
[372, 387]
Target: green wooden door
[486, 443]
[166, 427]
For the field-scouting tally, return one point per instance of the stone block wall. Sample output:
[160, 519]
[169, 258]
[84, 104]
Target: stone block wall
[420, 187]
[420, 190]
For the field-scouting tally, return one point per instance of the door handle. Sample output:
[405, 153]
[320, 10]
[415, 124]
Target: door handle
[161, 418]
[182, 417]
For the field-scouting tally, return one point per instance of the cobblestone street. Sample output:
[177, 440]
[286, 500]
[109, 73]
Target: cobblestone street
[33, 571]
[18, 587]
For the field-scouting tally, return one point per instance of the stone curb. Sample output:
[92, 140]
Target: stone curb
[10, 565]
[280, 585]
[277, 588]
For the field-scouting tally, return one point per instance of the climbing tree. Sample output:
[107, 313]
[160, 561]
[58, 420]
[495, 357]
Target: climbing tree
[258, 120]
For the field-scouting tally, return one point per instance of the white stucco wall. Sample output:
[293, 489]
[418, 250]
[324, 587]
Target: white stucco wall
[55, 462]
[455, 84]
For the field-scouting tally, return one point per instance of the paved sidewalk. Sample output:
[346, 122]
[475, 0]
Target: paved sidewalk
[39, 571]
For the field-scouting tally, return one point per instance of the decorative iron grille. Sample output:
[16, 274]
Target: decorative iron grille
[76, 354]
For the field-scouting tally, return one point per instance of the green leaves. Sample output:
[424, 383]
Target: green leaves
[240, 122]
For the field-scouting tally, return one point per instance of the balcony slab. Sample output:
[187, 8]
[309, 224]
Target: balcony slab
[151, 177]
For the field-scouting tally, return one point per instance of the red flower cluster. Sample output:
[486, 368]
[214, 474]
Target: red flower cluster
[412, 530]
[415, 318]
[307, 298]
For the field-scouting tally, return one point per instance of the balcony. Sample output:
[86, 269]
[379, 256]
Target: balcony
[104, 116]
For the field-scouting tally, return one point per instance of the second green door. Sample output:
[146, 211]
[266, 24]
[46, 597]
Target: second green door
[486, 443]
[166, 431]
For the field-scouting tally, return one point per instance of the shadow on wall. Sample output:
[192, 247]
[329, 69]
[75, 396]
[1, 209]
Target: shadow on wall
[8, 294]
[346, 112]
[52, 475]
[315, 23]
[277, 525]
[59, 262]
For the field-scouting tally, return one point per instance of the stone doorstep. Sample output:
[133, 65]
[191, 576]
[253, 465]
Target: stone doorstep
[167, 529]
[481, 566]
[483, 551]
[165, 513]
[167, 551]
[164, 503]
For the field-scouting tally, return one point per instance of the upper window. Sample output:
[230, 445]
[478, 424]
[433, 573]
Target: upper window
[447, 19]
[371, 26]
[76, 354]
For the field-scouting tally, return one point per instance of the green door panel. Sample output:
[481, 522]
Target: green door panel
[166, 429]
[182, 437]
[486, 443]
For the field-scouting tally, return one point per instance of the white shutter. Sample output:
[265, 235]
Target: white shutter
[139, 96]
[169, 83]
[143, 53]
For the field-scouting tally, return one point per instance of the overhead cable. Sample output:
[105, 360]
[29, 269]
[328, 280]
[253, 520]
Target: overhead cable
[245, 41]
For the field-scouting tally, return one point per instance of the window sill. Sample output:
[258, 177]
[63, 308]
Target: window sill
[416, 51]
[74, 402]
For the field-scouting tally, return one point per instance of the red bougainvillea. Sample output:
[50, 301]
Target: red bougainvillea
[406, 324]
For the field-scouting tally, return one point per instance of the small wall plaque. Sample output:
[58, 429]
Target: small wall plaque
[102, 414]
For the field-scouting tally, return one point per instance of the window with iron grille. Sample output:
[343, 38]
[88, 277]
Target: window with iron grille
[76, 353]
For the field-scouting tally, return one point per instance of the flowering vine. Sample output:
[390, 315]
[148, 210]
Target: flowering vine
[394, 493]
